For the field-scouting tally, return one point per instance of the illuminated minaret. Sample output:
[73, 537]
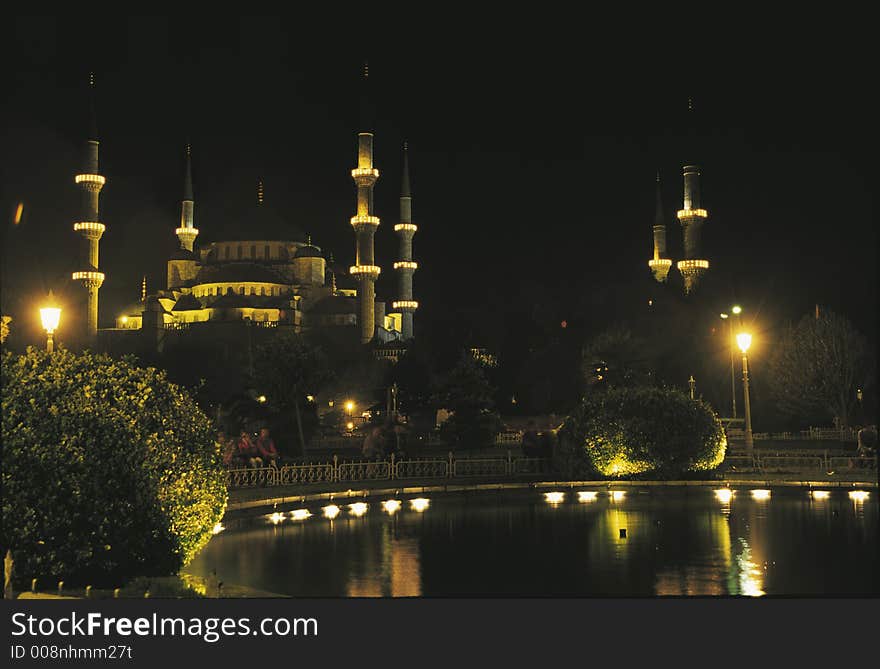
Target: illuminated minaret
[187, 232]
[89, 225]
[659, 264]
[364, 223]
[405, 266]
[692, 216]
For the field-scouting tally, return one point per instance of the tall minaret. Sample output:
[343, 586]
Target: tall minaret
[405, 266]
[365, 270]
[659, 264]
[89, 225]
[692, 216]
[187, 232]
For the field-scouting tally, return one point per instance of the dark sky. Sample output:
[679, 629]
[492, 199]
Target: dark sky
[533, 154]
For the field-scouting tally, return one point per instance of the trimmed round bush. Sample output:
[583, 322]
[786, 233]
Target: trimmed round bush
[628, 431]
[109, 470]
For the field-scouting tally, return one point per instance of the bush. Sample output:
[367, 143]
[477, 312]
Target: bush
[628, 431]
[109, 471]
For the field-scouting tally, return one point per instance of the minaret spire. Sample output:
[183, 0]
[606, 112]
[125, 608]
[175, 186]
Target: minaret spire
[187, 232]
[144, 289]
[405, 266]
[659, 264]
[89, 225]
[692, 217]
[365, 223]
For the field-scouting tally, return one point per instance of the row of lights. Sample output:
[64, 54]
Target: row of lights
[557, 497]
[357, 509]
[420, 504]
[723, 495]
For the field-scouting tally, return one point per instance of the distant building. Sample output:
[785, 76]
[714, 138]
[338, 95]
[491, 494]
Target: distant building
[692, 217]
[259, 280]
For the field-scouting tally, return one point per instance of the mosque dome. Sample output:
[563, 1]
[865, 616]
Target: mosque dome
[308, 251]
[187, 303]
[236, 272]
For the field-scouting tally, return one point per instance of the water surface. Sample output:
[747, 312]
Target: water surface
[684, 542]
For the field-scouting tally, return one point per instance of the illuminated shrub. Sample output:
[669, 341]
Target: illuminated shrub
[628, 431]
[109, 471]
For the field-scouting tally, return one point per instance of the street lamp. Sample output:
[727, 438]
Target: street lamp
[744, 340]
[737, 310]
[50, 315]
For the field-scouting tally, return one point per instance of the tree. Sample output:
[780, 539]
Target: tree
[549, 379]
[109, 471]
[817, 368]
[287, 369]
[467, 394]
[4, 328]
[414, 378]
[628, 431]
[617, 357]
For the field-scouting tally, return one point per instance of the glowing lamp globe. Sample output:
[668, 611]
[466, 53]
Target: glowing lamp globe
[744, 340]
[50, 317]
[737, 310]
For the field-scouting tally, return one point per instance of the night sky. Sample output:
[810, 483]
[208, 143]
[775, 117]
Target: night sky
[533, 161]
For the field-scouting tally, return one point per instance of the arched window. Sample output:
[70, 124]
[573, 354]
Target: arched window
[240, 251]
[241, 290]
[253, 250]
[226, 252]
[268, 254]
[253, 290]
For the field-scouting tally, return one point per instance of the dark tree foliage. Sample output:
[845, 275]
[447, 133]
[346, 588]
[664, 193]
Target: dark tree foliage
[416, 383]
[467, 394]
[549, 380]
[617, 357]
[287, 369]
[817, 368]
[628, 431]
[109, 471]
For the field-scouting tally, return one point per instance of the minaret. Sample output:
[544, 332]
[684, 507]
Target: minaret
[89, 225]
[405, 266]
[659, 264]
[187, 232]
[692, 216]
[364, 270]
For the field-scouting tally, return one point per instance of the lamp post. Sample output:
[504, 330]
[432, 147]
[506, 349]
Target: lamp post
[737, 310]
[744, 340]
[50, 315]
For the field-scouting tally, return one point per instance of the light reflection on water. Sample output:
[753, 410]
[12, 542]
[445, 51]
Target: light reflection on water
[674, 544]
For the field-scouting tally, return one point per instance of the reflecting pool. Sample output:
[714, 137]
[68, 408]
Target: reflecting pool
[697, 541]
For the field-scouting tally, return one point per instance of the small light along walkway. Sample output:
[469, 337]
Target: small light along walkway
[251, 499]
